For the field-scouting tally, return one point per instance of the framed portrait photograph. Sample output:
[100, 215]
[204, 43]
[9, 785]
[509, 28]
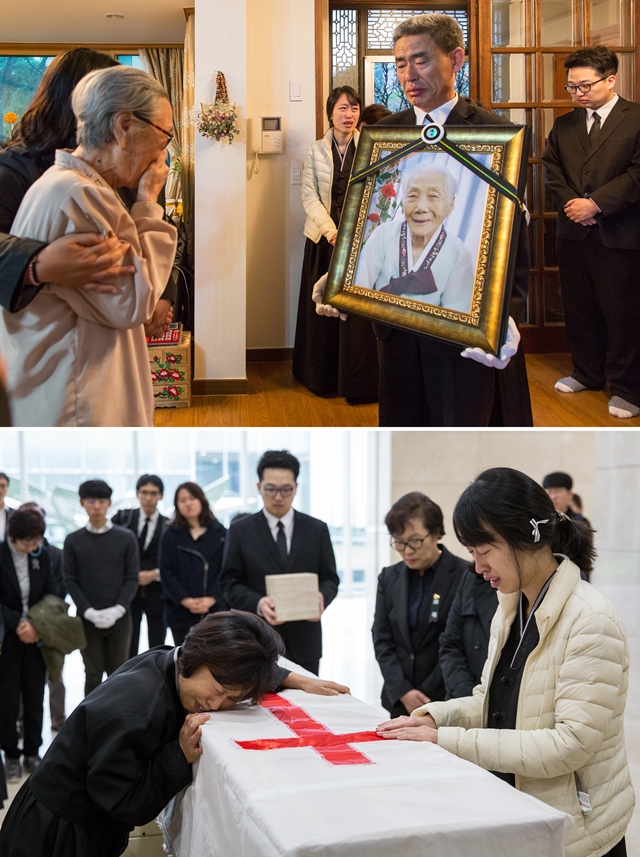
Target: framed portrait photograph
[427, 240]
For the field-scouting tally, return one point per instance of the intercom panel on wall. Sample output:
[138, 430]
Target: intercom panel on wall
[267, 137]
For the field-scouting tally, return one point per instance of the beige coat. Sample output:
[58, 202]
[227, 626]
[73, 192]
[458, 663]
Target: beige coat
[78, 358]
[317, 178]
[569, 734]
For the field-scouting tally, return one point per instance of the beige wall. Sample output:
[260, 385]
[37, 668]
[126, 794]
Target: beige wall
[280, 48]
[442, 463]
[617, 506]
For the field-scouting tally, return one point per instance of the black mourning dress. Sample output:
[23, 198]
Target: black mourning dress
[333, 357]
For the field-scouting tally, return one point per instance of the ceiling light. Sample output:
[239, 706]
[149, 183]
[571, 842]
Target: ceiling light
[114, 15]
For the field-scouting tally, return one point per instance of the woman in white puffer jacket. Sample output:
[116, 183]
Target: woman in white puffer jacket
[330, 357]
[548, 714]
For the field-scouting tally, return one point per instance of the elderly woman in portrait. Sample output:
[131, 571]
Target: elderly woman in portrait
[415, 257]
[77, 357]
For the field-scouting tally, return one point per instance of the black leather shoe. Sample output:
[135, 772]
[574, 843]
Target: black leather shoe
[13, 770]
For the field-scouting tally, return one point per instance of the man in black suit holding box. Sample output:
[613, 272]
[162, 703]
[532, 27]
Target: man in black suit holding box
[592, 166]
[280, 540]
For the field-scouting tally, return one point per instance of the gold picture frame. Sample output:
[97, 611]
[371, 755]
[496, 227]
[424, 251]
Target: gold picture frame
[473, 276]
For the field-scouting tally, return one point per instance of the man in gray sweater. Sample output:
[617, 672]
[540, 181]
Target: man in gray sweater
[101, 575]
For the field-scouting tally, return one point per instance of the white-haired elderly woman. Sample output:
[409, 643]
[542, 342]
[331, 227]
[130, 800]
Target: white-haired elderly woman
[79, 358]
[415, 257]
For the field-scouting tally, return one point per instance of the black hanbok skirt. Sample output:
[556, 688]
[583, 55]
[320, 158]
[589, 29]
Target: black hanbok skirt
[31, 830]
[332, 357]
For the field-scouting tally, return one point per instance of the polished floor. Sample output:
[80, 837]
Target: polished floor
[348, 658]
[275, 398]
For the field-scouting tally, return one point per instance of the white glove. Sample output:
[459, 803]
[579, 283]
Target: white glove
[317, 297]
[506, 352]
[92, 615]
[109, 616]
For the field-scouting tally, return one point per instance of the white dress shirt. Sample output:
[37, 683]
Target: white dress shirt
[287, 521]
[99, 530]
[153, 523]
[438, 114]
[602, 112]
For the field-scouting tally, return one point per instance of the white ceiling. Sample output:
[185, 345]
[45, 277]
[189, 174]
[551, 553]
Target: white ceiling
[145, 21]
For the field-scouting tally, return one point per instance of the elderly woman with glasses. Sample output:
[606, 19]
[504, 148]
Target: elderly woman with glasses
[76, 357]
[413, 601]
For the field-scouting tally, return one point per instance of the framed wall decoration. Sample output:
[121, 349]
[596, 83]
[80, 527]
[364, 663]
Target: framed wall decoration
[428, 234]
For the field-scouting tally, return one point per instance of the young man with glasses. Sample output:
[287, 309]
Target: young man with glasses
[592, 166]
[280, 540]
[147, 524]
[413, 602]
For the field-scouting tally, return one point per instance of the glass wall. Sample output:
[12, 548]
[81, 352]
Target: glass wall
[47, 467]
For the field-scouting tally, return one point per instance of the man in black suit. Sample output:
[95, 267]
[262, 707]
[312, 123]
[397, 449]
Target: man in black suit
[423, 381]
[413, 602]
[147, 524]
[24, 580]
[592, 166]
[280, 540]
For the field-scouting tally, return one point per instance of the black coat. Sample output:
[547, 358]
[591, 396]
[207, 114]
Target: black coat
[190, 569]
[251, 553]
[130, 518]
[609, 173]
[402, 667]
[41, 584]
[465, 641]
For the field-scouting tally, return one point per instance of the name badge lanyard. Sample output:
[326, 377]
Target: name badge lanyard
[516, 662]
[431, 135]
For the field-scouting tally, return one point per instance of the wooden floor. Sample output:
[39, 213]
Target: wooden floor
[276, 399]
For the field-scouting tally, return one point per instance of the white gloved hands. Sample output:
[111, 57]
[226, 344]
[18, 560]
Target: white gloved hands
[317, 296]
[105, 618]
[506, 352]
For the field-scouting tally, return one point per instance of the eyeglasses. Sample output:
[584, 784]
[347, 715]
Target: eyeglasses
[272, 491]
[153, 125]
[414, 544]
[582, 87]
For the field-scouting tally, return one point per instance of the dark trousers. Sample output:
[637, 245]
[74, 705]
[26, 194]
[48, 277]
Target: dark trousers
[397, 710]
[601, 301]
[619, 850]
[424, 382]
[107, 649]
[178, 635]
[148, 600]
[22, 673]
[56, 702]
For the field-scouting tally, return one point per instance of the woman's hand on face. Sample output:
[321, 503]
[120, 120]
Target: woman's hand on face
[190, 735]
[84, 261]
[153, 179]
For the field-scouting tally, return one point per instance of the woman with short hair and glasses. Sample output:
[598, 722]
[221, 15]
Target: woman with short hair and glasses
[190, 559]
[77, 357]
[413, 601]
[548, 715]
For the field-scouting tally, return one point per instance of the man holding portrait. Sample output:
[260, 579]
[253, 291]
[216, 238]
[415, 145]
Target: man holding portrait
[423, 381]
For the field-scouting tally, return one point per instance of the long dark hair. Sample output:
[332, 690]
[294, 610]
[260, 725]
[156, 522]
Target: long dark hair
[206, 516]
[503, 502]
[48, 123]
[239, 649]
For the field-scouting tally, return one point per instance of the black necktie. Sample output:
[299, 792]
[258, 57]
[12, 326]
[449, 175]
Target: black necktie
[142, 538]
[427, 120]
[595, 130]
[281, 541]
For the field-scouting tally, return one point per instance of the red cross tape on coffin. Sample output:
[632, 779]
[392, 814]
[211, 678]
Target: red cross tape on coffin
[335, 749]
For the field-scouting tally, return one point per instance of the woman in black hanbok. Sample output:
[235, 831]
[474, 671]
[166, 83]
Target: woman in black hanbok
[331, 357]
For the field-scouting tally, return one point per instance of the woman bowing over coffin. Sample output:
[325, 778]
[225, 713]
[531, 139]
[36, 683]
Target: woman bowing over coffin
[128, 748]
